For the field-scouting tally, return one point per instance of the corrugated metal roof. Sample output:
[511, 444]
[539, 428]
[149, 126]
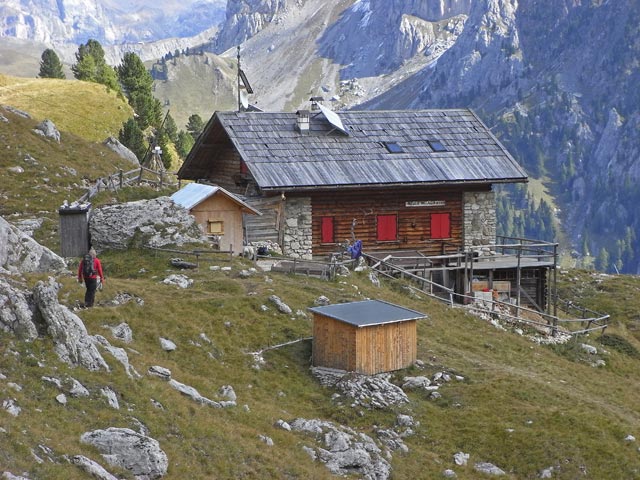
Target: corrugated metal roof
[368, 312]
[281, 157]
[194, 193]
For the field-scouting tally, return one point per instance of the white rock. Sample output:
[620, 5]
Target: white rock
[630, 438]
[591, 350]
[61, 399]
[124, 448]
[546, 473]
[111, 396]
[92, 468]
[448, 473]
[266, 440]
[161, 372]
[11, 407]
[488, 468]
[167, 345]
[461, 458]
[77, 389]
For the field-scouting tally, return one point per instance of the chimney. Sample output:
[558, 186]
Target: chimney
[302, 121]
[315, 101]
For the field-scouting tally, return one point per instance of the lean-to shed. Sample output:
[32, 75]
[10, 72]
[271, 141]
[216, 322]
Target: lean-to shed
[218, 211]
[368, 337]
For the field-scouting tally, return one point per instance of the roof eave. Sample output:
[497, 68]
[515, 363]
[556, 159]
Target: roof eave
[280, 188]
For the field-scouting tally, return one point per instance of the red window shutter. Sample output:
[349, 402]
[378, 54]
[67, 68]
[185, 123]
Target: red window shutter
[440, 225]
[243, 168]
[387, 227]
[327, 234]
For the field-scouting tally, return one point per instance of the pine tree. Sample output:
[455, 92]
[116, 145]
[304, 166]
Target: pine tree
[50, 65]
[133, 75]
[131, 136]
[148, 109]
[171, 128]
[184, 144]
[195, 125]
[92, 67]
[602, 260]
[163, 142]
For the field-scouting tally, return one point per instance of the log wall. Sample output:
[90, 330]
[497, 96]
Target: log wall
[363, 206]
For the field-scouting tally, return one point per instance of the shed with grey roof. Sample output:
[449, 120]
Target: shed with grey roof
[368, 337]
[219, 212]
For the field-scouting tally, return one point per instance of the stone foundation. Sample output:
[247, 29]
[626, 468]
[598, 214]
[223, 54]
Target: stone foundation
[297, 228]
[479, 219]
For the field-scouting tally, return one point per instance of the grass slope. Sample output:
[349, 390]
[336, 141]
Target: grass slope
[522, 406]
[88, 110]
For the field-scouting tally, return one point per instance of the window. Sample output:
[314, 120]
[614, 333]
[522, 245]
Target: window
[393, 147]
[387, 228]
[440, 225]
[437, 146]
[216, 227]
[244, 170]
[326, 230]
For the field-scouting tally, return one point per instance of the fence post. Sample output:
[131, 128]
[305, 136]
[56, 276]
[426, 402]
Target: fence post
[121, 177]
[161, 178]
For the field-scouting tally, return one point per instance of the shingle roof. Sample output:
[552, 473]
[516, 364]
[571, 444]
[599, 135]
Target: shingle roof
[281, 157]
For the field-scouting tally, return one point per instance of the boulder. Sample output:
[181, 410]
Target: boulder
[114, 144]
[124, 448]
[19, 253]
[72, 342]
[280, 305]
[47, 129]
[154, 223]
[17, 312]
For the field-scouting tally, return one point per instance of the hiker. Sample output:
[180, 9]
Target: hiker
[90, 270]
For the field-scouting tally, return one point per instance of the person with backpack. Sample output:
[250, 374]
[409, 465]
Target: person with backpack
[89, 270]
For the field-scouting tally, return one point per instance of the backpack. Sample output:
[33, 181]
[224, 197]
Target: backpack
[87, 266]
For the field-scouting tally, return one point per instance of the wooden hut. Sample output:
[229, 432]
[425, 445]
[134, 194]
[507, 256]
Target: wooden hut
[367, 337]
[412, 180]
[218, 212]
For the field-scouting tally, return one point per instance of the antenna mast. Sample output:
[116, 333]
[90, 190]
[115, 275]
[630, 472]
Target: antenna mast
[239, 102]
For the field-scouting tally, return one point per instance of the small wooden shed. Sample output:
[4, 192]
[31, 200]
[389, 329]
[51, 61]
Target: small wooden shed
[368, 337]
[219, 212]
[74, 229]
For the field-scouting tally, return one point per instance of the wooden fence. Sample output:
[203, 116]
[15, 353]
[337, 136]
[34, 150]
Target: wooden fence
[122, 179]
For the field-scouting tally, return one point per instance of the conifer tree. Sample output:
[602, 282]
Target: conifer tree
[184, 143]
[92, 67]
[50, 65]
[131, 136]
[195, 125]
[133, 75]
[171, 128]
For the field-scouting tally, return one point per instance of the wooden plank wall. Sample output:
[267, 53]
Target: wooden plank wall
[366, 350]
[363, 206]
[334, 343]
[385, 348]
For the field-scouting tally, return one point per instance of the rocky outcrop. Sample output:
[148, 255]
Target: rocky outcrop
[17, 311]
[124, 448]
[72, 342]
[48, 129]
[19, 253]
[408, 28]
[154, 223]
[245, 18]
[344, 451]
[114, 144]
